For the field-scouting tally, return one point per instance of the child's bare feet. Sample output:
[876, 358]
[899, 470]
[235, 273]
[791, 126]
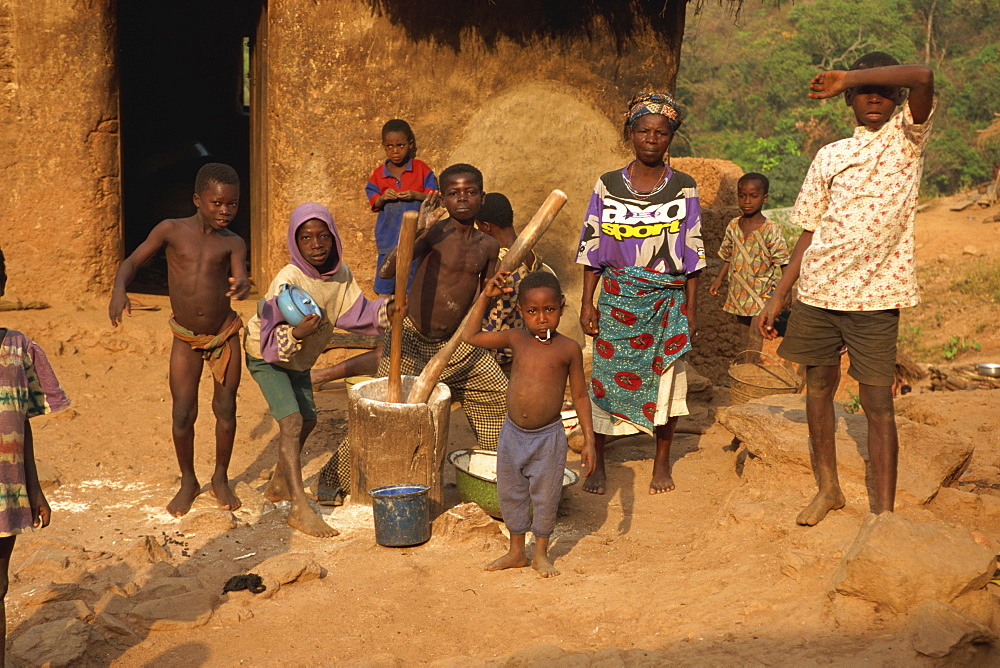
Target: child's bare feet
[223, 494]
[595, 482]
[513, 559]
[540, 559]
[185, 496]
[303, 518]
[277, 487]
[823, 503]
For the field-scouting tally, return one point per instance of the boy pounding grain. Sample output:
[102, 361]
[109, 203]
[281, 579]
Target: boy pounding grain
[454, 262]
[532, 449]
[855, 257]
[206, 267]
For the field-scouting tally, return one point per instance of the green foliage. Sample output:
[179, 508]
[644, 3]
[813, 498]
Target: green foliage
[745, 86]
[911, 339]
[956, 345]
[854, 404]
[981, 279]
[835, 34]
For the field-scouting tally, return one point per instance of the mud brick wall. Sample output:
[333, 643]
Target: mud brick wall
[59, 211]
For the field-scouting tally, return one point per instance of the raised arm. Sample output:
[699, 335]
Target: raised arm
[917, 78]
[426, 220]
[156, 240]
[473, 333]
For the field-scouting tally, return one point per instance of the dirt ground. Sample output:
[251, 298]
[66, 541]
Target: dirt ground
[679, 577]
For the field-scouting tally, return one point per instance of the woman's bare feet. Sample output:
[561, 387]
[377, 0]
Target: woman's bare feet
[662, 481]
[185, 496]
[303, 518]
[824, 502]
[223, 494]
[596, 481]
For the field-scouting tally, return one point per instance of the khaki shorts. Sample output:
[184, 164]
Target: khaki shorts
[816, 335]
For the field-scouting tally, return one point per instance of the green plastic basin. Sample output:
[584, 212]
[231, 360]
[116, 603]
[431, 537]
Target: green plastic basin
[476, 479]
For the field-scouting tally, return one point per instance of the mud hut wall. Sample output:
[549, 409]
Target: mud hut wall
[60, 207]
[338, 71]
[720, 337]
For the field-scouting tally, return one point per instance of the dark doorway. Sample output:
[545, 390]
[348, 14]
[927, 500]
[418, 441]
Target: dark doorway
[184, 102]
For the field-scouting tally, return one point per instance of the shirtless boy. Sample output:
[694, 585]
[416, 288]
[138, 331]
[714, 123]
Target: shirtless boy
[454, 262]
[532, 452]
[206, 267]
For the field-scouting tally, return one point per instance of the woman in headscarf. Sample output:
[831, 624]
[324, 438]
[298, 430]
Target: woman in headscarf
[641, 241]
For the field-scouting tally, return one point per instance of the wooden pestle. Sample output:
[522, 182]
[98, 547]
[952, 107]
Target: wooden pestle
[404, 258]
[540, 222]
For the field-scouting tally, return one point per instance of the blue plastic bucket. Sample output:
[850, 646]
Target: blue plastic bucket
[402, 515]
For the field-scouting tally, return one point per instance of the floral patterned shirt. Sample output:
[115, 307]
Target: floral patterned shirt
[859, 198]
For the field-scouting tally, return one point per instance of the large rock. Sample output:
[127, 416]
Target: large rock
[57, 591]
[468, 524]
[774, 429]
[254, 503]
[938, 630]
[900, 563]
[184, 611]
[62, 611]
[48, 475]
[50, 556]
[289, 568]
[167, 587]
[146, 550]
[208, 522]
[55, 644]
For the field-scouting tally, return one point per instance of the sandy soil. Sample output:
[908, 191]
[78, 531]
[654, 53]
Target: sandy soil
[679, 577]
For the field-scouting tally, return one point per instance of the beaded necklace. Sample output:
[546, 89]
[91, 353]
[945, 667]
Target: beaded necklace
[660, 184]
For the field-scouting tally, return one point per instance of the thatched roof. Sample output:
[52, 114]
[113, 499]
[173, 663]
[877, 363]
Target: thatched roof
[446, 21]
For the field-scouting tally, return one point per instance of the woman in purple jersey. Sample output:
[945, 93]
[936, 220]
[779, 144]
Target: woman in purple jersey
[641, 240]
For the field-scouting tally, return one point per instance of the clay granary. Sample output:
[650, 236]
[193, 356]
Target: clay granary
[109, 108]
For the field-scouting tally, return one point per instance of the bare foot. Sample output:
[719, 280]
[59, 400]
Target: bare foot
[185, 496]
[820, 506]
[661, 483]
[510, 560]
[222, 493]
[277, 488]
[594, 483]
[303, 518]
[541, 563]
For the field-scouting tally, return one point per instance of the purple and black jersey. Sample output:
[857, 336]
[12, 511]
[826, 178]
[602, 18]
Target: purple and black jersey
[661, 232]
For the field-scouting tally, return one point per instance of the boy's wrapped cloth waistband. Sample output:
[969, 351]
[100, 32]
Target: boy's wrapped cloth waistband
[212, 347]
